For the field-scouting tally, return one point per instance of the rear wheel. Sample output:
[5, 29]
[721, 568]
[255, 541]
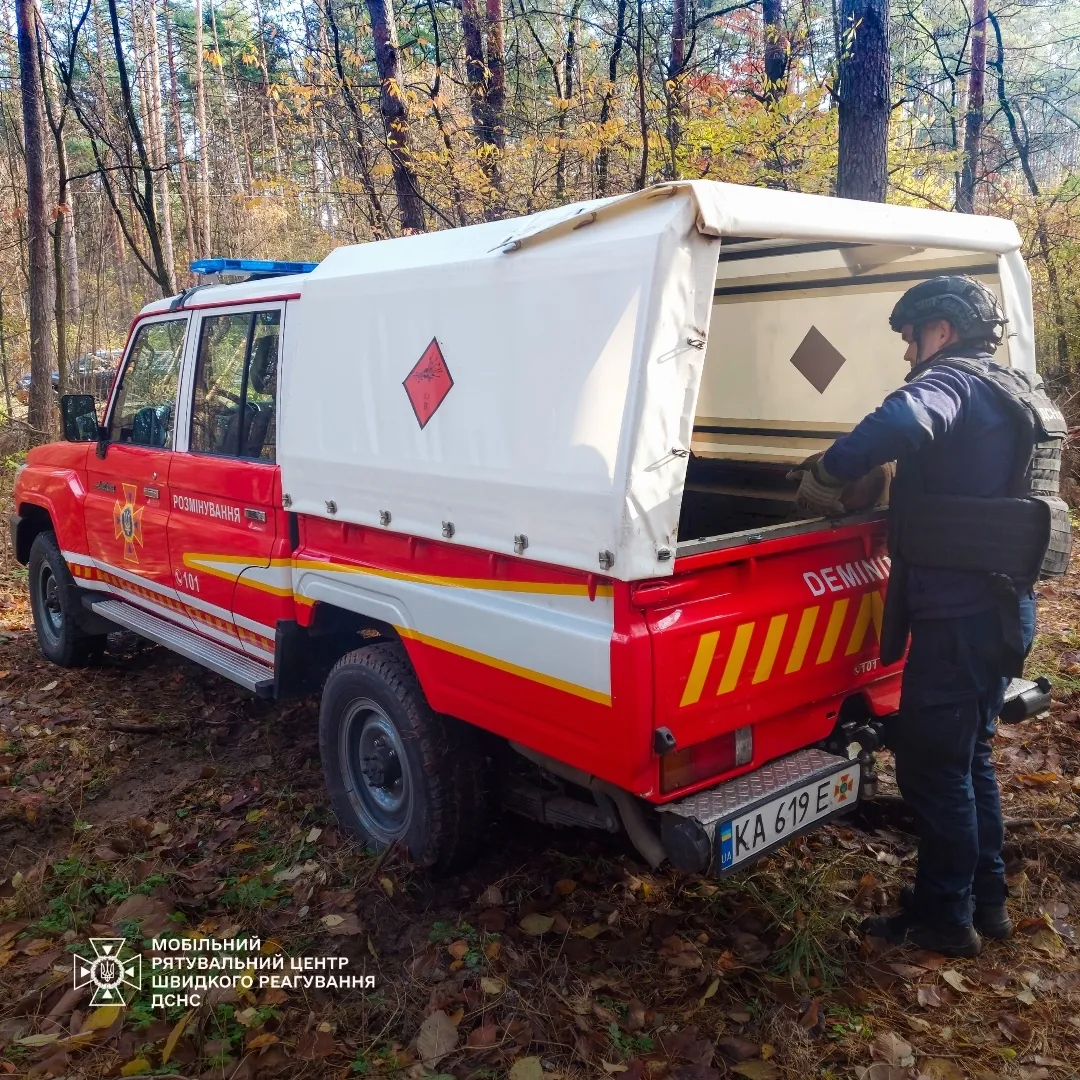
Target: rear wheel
[51, 601]
[398, 773]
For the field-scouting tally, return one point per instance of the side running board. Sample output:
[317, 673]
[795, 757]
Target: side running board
[249, 673]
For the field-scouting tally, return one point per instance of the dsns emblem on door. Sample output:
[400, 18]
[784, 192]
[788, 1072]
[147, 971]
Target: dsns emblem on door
[127, 517]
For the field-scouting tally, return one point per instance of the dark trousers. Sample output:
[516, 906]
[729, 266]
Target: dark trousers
[951, 695]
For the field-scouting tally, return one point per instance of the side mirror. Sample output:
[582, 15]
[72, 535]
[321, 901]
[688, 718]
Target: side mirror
[79, 417]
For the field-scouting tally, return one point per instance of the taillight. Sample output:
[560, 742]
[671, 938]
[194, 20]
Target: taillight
[681, 768]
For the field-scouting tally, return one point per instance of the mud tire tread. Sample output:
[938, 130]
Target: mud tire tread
[454, 782]
[76, 648]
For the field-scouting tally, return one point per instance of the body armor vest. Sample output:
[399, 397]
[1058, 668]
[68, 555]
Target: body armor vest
[1014, 539]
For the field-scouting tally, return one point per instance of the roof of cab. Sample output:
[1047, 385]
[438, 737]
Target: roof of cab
[264, 288]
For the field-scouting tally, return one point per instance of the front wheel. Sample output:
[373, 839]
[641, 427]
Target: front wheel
[51, 601]
[398, 773]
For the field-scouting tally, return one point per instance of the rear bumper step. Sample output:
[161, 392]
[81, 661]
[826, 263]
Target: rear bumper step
[249, 673]
[696, 831]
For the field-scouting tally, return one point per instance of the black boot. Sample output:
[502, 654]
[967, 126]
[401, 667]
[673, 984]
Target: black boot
[934, 937]
[991, 920]
[892, 929]
[947, 940]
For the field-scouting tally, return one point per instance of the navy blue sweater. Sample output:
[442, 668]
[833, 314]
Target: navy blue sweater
[966, 445]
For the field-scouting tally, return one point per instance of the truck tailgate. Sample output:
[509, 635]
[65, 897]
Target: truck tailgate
[772, 635]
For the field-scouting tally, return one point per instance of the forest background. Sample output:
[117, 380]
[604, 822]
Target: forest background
[137, 135]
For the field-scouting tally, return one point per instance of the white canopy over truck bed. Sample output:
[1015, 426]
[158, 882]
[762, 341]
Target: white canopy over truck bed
[534, 386]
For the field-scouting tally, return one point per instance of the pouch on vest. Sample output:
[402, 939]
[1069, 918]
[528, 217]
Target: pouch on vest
[995, 536]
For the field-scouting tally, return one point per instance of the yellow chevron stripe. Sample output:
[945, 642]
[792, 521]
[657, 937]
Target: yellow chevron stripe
[736, 658]
[699, 670]
[807, 622]
[877, 608]
[862, 624]
[771, 648]
[832, 631]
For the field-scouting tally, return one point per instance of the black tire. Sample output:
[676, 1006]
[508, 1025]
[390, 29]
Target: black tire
[59, 637]
[424, 783]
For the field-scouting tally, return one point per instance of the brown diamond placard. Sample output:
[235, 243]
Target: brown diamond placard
[428, 383]
[817, 359]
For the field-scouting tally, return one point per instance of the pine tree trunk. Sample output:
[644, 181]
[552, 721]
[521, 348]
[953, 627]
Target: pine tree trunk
[54, 114]
[203, 184]
[178, 135]
[643, 115]
[965, 196]
[161, 157]
[267, 97]
[864, 103]
[3, 360]
[42, 405]
[604, 156]
[59, 283]
[472, 37]
[496, 66]
[1022, 146]
[675, 102]
[234, 155]
[66, 210]
[776, 59]
[395, 114]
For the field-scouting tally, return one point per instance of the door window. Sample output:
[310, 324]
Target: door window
[144, 411]
[236, 385]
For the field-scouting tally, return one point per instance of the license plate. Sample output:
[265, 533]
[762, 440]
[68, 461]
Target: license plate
[753, 833]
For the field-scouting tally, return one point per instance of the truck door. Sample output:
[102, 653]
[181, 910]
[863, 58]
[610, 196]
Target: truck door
[128, 497]
[223, 533]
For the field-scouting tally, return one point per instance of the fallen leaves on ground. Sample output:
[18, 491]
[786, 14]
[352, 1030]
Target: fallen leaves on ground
[558, 955]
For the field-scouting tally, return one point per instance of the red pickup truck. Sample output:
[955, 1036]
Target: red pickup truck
[514, 499]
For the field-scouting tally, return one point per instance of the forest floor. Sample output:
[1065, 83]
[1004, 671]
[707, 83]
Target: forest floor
[147, 797]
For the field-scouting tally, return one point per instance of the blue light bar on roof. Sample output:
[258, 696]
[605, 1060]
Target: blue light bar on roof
[250, 267]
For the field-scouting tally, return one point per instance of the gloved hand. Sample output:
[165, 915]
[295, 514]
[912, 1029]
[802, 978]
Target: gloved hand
[819, 493]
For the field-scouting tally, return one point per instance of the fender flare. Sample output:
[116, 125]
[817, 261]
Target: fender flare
[370, 603]
[38, 510]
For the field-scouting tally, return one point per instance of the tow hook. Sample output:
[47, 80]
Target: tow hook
[857, 742]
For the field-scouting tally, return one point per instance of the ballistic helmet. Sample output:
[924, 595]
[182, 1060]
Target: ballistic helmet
[966, 303]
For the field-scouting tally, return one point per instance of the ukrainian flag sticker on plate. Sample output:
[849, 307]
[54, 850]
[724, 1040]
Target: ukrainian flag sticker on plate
[726, 849]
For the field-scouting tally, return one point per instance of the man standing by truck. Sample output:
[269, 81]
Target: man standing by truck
[975, 519]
